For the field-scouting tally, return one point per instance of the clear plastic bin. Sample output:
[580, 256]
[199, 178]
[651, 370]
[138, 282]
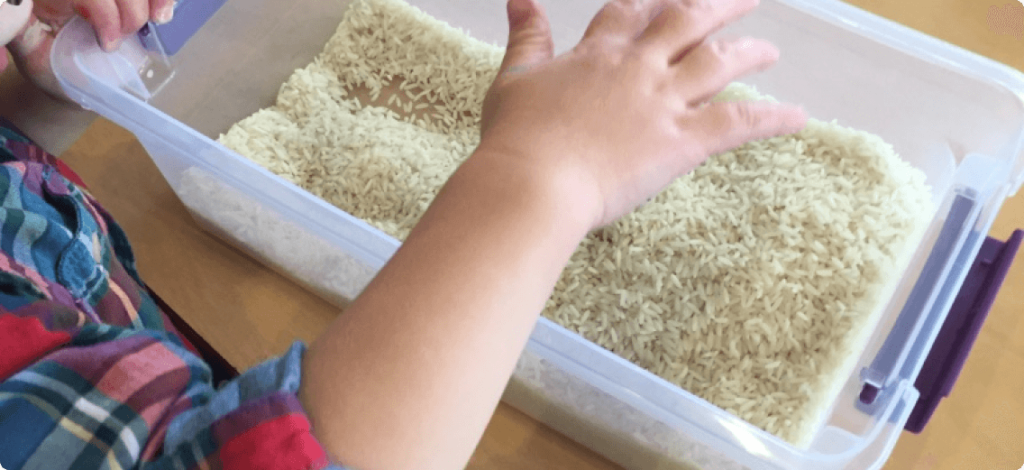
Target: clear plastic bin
[955, 115]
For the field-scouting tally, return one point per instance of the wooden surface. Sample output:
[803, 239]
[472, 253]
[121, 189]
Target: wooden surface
[249, 313]
[55, 125]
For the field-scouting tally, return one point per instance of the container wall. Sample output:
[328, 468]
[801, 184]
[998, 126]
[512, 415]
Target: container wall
[944, 110]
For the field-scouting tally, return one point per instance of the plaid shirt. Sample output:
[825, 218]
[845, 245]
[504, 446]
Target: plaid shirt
[92, 373]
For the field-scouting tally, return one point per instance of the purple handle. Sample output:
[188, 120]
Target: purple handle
[189, 17]
[963, 323]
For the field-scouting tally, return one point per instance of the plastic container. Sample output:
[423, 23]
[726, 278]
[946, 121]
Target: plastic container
[955, 115]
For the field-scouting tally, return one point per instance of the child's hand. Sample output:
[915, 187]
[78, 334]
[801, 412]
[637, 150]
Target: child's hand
[112, 19]
[626, 112]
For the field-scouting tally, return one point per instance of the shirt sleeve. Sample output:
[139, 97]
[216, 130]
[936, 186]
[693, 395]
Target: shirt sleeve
[91, 374]
[254, 421]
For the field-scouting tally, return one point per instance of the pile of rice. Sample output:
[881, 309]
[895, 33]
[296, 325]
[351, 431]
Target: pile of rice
[751, 282]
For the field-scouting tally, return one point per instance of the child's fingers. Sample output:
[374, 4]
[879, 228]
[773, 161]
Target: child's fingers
[161, 11]
[683, 25]
[105, 17]
[625, 19]
[529, 38]
[55, 14]
[706, 70]
[722, 126]
[134, 14]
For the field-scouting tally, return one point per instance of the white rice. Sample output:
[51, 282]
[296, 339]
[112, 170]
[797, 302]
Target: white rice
[317, 264]
[752, 282]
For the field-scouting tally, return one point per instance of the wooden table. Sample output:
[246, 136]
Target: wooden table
[249, 313]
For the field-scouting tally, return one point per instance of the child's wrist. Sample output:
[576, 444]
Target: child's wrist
[548, 190]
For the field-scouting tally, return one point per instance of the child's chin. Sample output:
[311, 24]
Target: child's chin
[3, 59]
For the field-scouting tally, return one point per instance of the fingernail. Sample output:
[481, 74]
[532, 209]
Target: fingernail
[763, 51]
[795, 116]
[746, 44]
[111, 46]
[165, 14]
[519, 11]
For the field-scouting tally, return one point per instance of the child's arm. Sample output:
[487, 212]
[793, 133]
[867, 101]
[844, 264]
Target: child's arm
[409, 375]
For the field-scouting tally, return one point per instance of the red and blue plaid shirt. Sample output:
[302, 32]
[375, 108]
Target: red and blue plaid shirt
[92, 373]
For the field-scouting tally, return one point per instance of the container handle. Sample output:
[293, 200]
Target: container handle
[963, 323]
[897, 346]
[189, 18]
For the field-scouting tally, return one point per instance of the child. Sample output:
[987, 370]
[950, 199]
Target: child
[92, 375]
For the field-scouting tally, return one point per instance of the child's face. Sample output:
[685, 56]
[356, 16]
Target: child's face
[12, 21]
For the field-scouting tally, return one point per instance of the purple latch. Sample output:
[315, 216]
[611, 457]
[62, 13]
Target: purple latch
[963, 323]
[189, 17]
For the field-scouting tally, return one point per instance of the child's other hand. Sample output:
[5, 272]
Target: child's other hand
[626, 111]
[112, 19]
